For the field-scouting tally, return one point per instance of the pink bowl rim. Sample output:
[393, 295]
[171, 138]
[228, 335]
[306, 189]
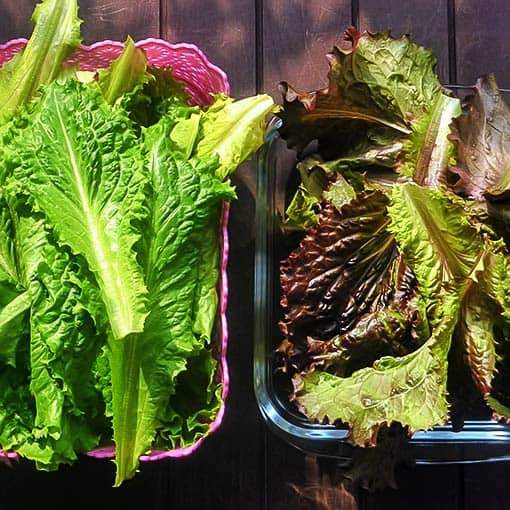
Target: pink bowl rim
[21, 41]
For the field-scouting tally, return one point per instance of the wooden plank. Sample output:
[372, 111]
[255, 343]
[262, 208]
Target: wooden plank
[108, 19]
[482, 47]
[227, 472]
[223, 29]
[482, 40]
[296, 37]
[307, 482]
[102, 19]
[420, 488]
[15, 19]
[486, 486]
[87, 483]
[425, 22]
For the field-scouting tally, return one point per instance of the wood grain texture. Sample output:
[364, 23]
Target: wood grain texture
[15, 19]
[102, 19]
[425, 22]
[437, 487]
[482, 40]
[486, 486]
[297, 34]
[223, 29]
[107, 19]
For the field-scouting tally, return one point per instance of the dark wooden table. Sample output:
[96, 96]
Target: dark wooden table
[258, 43]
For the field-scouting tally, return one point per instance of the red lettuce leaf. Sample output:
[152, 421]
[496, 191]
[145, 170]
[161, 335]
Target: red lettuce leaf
[347, 293]
[482, 137]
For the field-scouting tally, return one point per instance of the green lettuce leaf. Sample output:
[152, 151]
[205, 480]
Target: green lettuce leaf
[301, 213]
[318, 182]
[59, 413]
[55, 36]
[180, 260]
[410, 390]
[193, 405]
[111, 192]
[428, 152]
[440, 244]
[233, 130]
[481, 318]
[398, 74]
[95, 196]
[14, 299]
[125, 74]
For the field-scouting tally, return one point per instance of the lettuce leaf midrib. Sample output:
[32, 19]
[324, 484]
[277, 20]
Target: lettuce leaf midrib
[90, 228]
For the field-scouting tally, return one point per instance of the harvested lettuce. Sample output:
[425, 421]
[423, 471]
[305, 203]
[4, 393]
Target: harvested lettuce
[399, 287]
[111, 191]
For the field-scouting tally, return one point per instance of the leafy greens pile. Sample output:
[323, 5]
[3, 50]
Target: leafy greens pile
[396, 299]
[111, 189]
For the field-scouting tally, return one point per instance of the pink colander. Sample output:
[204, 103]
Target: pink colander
[202, 81]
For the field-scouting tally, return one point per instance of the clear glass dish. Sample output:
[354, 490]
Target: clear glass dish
[480, 440]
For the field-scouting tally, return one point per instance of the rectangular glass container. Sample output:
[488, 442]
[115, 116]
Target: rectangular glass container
[480, 440]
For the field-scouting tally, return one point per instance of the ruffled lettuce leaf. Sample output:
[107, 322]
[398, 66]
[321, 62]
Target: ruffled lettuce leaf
[111, 194]
[380, 148]
[497, 388]
[482, 141]
[398, 75]
[81, 167]
[384, 113]
[180, 255]
[445, 253]
[146, 92]
[317, 183]
[410, 390]
[14, 299]
[51, 410]
[482, 321]
[64, 344]
[482, 137]
[440, 244]
[381, 81]
[348, 296]
[441, 300]
[428, 151]
[233, 130]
